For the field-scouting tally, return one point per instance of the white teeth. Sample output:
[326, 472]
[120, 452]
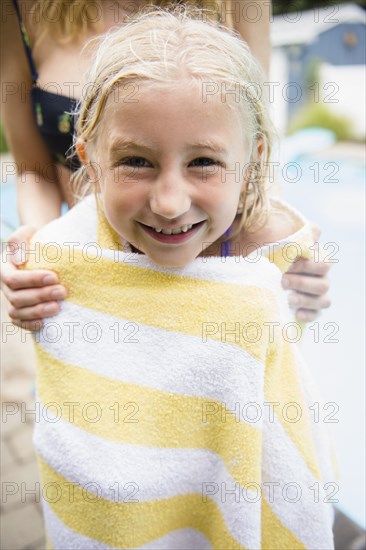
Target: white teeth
[183, 229]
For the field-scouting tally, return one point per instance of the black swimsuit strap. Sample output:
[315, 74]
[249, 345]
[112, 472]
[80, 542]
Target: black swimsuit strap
[26, 44]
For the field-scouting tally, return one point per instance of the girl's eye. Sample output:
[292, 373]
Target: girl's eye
[202, 162]
[135, 162]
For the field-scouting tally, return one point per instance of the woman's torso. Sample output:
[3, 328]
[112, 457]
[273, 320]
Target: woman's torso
[60, 67]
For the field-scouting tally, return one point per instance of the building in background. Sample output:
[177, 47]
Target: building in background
[319, 56]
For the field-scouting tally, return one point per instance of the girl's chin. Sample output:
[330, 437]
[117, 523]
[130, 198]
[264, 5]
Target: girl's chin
[172, 261]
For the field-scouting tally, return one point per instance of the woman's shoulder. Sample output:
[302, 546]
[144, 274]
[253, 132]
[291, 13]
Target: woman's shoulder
[286, 235]
[283, 223]
[77, 227]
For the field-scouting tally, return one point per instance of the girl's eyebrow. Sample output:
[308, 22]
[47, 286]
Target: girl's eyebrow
[209, 144]
[124, 143]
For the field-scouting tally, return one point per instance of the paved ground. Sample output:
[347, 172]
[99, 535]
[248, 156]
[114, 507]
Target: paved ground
[20, 513]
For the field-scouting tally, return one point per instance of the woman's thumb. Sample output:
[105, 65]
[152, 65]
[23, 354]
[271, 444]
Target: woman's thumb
[18, 244]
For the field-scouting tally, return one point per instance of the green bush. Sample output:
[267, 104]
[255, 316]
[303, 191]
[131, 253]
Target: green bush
[3, 144]
[316, 114]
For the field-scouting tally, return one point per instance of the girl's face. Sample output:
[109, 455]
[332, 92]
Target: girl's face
[172, 169]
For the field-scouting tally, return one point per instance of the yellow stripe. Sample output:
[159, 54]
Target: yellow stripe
[283, 257]
[106, 285]
[333, 457]
[107, 237]
[282, 385]
[274, 534]
[154, 418]
[132, 524]
[48, 542]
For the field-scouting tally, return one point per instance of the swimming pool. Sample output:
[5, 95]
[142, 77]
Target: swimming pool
[332, 195]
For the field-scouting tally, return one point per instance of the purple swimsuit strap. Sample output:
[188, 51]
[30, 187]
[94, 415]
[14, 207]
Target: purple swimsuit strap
[225, 246]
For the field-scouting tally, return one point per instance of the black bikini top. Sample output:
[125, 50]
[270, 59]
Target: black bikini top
[53, 113]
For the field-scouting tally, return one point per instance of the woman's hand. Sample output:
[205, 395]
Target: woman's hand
[33, 295]
[310, 284]
[309, 281]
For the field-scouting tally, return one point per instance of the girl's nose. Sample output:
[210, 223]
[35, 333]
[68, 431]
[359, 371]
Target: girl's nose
[170, 198]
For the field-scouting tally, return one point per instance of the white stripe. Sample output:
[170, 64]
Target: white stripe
[282, 463]
[78, 226]
[126, 472]
[187, 539]
[160, 359]
[63, 538]
[257, 271]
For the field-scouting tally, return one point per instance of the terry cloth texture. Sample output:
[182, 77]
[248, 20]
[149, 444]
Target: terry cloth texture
[174, 407]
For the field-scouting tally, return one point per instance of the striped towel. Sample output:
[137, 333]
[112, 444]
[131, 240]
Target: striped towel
[174, 404]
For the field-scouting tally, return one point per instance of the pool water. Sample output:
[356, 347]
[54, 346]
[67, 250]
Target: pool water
[8, 210]
[335, 201]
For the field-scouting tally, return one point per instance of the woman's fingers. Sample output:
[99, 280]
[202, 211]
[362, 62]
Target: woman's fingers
[34, 296]
[316, 231]
[309, 267]
[36, 324]
[307, 315]
[309, 281]
[32, 304]
[35, 313]
[13, 278]
[299, 300]
[308, 284]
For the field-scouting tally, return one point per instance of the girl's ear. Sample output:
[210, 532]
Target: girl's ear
[89, 167]
[251, 172]
[260, 147]
[80, 150]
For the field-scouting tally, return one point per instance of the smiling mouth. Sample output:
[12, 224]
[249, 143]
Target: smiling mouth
[172, 236]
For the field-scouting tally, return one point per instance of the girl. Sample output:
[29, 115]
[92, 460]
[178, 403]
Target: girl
[45, 56]
[174, 404]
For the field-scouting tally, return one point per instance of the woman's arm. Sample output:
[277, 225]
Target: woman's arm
[38, 192]
[32, 295]
[252, 21]
[307, 279]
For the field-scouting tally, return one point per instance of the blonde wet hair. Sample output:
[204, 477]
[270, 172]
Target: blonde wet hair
[159, 48]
